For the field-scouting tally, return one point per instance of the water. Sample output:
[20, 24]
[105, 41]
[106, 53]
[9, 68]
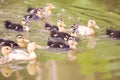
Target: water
[94, 59]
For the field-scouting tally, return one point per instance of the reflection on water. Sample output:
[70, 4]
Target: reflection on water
[6, 71]
[72, 55]
[100, 60]
[91, 42]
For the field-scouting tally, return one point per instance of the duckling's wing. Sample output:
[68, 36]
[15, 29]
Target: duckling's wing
[18, 55]
[20, 52]
[83, 30]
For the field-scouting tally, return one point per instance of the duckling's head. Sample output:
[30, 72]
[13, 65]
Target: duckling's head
[40, 12]
[20, 38]
[92, 23]
[108, 32]
[60, 23]
[7, 22]
[49, 6]
[72, 42]
[73, 27]
[24, 21]
[6, 50]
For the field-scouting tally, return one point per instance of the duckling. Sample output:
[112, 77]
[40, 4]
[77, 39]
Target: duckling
[13, 26]
[60, 24]
[25, 24]
[40, 14]
[11, 54]
[73, 33]
[31, 10]
[9, 43]
[113, 33]
[21, 41]
[16, 27]
[62, 45]
[86, 31]
[62, 35]
[48, 8]
[50, 27]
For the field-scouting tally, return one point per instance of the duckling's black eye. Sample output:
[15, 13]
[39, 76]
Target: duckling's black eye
[7, 48]
[58, 20]
[91, 22]
[20, 37]
[72, 26]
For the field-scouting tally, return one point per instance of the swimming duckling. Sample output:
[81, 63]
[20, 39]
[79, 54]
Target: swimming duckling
[60, 24]
[62, 35]
[113, 33]
[21, 41]
[16, 27]
[62, 45]
[40, 14]
[11, 54]
[13, 26]
[25, 24]
[9, 43]
[48, 8]
[50, 27]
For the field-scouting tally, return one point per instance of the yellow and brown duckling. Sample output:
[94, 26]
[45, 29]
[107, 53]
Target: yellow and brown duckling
[21, 41]
[48, 8]
[61, 25]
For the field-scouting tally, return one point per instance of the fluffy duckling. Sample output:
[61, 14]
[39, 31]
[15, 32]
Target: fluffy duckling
[21, 41]
[60, 24]
[11, 55]
[50, 27]
[13, 26]
[86, 31]
[40, 14]
[62, 45]
[63, 35]
[31, 10]
[25, 25]
[72, 31]
[113, 33]
[48, 8]
[9, 43]
[16, 27]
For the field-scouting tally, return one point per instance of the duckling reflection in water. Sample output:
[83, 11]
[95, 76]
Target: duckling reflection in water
[91, 42]
[6, 71]
[72, 55]
[34, 68]
[21, 41]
